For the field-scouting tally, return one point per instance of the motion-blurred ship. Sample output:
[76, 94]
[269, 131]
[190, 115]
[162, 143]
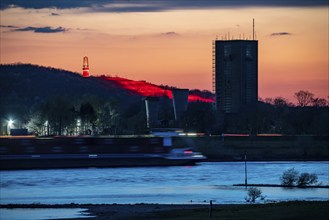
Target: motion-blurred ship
[76, 152]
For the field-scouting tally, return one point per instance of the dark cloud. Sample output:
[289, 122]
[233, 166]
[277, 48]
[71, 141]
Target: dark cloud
[170, 33]
[8, 26]
[280, 34]
[42, 29]
[160, 5]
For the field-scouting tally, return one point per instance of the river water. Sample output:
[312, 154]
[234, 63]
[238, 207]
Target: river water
[166, 185]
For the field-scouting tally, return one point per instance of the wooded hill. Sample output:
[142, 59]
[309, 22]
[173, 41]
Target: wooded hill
[25, 87]
[27, 84]
[30, 84]
[37, 93]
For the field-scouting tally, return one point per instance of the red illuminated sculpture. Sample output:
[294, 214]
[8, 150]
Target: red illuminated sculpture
[85, 67]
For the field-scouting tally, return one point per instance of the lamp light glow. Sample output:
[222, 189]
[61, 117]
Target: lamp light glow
[10, 122]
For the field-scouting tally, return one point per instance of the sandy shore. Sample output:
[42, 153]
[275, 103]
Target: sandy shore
[282, 210]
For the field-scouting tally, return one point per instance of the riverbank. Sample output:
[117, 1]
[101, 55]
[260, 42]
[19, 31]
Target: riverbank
[270, 211]
[258, 148]
[280, 185]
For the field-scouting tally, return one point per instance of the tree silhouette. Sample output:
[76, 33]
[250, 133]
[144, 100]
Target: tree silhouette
[88, 117]
[319, 102]
[304, 98]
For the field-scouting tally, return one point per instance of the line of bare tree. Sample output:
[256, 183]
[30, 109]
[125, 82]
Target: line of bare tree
[303, 98]
[271, 115]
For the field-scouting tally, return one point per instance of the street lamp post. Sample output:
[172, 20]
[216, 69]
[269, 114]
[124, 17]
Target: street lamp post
[245, 169]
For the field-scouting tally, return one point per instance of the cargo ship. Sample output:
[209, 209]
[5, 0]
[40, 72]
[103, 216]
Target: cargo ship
[28, 152]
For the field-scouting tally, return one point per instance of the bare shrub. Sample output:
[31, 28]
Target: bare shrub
[289, 177]
[306, 179]
[253, 194]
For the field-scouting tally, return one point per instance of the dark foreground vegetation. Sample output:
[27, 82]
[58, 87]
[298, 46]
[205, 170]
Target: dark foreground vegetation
[272, 211]
[51, 101]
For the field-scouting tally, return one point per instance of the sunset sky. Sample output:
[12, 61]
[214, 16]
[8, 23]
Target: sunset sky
[170, 42]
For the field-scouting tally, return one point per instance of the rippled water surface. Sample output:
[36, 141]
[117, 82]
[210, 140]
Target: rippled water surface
[170, 185]
[41, 214]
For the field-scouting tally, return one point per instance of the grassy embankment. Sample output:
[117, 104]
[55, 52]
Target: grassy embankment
[275, 211]
[301, 210]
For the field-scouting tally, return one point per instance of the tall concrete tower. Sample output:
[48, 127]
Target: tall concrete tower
[235, 74]
[85, 67]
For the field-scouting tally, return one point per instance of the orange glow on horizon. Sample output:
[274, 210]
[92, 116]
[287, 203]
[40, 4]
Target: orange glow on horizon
[174, 47]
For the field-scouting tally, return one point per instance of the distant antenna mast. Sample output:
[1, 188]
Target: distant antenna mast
[253, 29]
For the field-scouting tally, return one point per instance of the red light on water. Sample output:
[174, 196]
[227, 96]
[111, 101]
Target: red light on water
[147, 89]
